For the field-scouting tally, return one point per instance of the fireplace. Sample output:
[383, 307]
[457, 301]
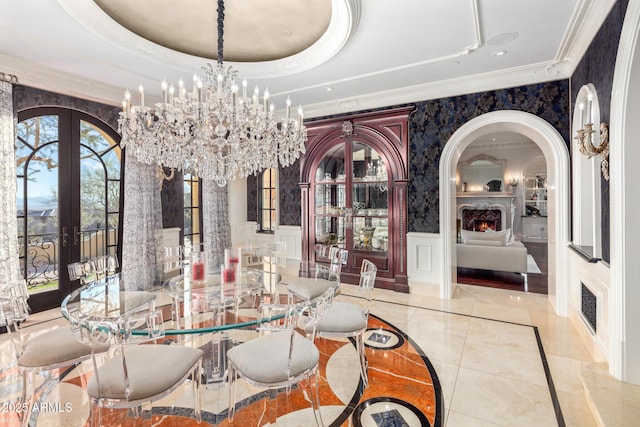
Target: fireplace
[482, 219]
[484, 225]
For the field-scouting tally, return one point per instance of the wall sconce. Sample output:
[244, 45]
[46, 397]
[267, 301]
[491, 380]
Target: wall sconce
[513, 182]
[584, 135]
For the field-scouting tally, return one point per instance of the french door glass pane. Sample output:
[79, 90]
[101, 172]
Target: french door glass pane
[99, 192]
[37, 201]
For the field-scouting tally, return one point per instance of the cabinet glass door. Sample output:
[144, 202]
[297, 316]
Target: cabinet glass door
[370, 199]
[330, 199]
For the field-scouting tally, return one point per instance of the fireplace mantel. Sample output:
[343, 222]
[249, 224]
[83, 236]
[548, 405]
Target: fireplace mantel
[486, 194]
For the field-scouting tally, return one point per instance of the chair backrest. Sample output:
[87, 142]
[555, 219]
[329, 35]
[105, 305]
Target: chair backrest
[368, 273]
[95, 268]
[13, 310]
[274, 317]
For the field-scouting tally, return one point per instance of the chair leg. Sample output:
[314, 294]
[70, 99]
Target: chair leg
[195, 382]
[28, 395]
[233, 379]
[315, 400]
[363, 359]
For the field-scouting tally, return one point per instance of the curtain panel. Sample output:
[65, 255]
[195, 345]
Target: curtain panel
[142, 241]
[9, 261]
[215, 221]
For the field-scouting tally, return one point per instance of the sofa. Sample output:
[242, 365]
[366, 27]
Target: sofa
[492, 250]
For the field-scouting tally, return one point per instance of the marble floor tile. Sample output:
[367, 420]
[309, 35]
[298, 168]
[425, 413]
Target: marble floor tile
[502, 400]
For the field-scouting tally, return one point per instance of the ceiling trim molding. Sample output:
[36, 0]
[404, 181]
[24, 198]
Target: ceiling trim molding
[587, 18]
[531, 74]
[37, 76]
[345, 17]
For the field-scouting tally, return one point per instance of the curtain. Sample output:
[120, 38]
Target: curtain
[142, 241]
[215, 221]
[9, 262]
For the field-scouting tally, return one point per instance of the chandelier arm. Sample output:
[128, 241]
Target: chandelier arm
[220, 31]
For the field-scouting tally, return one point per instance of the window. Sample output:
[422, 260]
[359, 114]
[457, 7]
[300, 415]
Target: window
[192, 217]
[267, 201]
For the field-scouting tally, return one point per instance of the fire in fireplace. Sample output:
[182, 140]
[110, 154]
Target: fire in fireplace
[483, 225]
[482, 219]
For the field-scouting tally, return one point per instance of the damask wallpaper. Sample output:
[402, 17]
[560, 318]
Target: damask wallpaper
[28, 97]
[435, 121]
[596, 67]
[430, 127]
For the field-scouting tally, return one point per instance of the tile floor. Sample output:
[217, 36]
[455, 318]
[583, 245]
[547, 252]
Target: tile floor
[489, 348]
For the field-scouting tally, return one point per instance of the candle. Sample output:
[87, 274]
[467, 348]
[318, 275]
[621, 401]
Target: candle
[195, 84]
[244, 89]
[589, 107]
[172, 90]
[199, 91]
[234, 91]
[300, 115]
[581, 115]
[124, 105]
[127, 98]
[197, 271]
[141, 91]
[288, 108]
[181, 89]
[164, 91]
[266, 99]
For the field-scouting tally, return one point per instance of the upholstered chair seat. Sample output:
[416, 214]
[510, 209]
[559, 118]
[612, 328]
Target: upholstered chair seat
[152, 368]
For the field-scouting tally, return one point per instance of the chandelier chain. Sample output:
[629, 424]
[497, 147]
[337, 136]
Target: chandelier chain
[215, 131]
[220, 31]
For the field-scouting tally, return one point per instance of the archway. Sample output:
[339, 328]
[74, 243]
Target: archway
[556, 154]
[624, 357]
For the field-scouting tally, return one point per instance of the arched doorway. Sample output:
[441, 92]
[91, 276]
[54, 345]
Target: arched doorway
[624, 357]
[556, 155]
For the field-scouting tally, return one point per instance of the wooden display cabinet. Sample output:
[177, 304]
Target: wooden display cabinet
[353, 184]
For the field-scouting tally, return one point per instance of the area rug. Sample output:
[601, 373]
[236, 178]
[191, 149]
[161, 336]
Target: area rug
[532, 267]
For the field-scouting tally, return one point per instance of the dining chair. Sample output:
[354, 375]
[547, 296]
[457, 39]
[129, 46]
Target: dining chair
[302, 288]
[347, 320]
[35, 354]
[139, 370]
[280, 357]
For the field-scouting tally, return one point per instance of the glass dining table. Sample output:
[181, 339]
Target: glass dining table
[178, 309]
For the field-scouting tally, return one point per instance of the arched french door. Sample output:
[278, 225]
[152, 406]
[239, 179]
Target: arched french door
[68, 171]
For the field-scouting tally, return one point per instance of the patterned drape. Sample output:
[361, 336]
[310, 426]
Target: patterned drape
[9, 262]
[142, 242]
[216, 228]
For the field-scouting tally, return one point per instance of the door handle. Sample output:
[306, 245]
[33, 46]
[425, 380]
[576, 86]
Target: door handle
[76, 236]
[64, 237]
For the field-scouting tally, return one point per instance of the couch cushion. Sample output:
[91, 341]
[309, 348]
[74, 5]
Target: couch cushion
[481, 235]
[484, 242]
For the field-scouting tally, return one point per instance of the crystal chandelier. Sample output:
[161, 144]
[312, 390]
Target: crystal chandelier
[215, 130]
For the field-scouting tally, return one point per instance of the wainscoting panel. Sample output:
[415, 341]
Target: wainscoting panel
[596, 277]
[423, 260]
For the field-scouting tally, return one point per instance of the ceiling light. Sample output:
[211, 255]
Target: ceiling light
[329, 89]
[499, 53]
[214, 130]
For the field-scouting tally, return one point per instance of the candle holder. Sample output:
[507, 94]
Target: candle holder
[584, 137]
[198, 266]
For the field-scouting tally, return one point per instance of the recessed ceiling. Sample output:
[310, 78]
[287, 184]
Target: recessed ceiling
[254, 30]
[373, 53]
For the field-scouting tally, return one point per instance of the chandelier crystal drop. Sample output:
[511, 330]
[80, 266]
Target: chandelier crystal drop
[215, 130]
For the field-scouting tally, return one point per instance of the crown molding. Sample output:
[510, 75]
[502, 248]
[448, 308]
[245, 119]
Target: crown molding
[520, 76]
[586, 20]
[37, 76]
